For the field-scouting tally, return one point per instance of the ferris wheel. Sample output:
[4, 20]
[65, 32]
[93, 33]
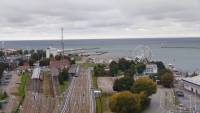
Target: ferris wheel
[142, 52]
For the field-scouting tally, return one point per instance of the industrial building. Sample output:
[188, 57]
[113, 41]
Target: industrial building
[51, 51]
[192, 84]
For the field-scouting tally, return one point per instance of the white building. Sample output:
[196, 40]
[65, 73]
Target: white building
[151, 69]
[52, 51]
[192, 84]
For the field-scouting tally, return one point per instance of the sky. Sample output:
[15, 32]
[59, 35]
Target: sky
[43, 19]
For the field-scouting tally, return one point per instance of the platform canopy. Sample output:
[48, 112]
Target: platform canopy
[36, 73]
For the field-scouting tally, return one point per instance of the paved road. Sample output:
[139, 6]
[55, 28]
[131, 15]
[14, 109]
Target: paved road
[11, 88]
[78, 97]
[162, 101]
[190, 100]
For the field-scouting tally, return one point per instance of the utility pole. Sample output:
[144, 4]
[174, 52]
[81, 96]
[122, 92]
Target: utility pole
[190, 104]
[62, 44]
[195, 106]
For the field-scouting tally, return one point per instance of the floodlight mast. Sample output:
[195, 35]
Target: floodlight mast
[62, 44]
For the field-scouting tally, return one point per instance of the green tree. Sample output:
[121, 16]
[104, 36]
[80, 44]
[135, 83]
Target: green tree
[72, 61]
[99, 70]
[21, 62]
[131, 71]
[63, 76]
[58, 57]
[2, 68]
[51, 56]
[31, 62]
[32, 51]
[35, 56]
[160, 65]
[41, 54]
[113, 66]
[123, 64]
[125, 102]
[124, 83]
[144, 84]
[140, 68]
[167, 80]
[45, 62]
[144, 100]
[1, 54]
[194, 74]
[162, 72]
[26, 52]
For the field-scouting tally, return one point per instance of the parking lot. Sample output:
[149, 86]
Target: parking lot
[9, 83]
[189, 101]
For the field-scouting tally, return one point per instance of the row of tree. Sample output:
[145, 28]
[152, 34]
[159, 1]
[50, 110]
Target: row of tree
[133, 95]
[166, 78]
[128, 67]
[3, 66]
[164, 75]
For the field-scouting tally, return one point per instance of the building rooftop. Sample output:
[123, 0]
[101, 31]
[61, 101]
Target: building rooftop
[151, 68]
[194, 80]
[36, 73]
[73, 68]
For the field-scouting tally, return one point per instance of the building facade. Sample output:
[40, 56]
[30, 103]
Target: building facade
[192, 84]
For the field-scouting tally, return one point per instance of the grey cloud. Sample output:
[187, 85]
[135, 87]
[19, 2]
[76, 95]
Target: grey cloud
[98, 16]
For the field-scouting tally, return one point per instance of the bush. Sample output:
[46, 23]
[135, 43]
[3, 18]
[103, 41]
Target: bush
[144, 99]
[63, 76]
[131, 71]
[167, 80]
[58, 57]
[99, 70]
[123, 64]
[125, 102]
[44, 62]
[35, 56]
[3, 95]
[146, 85]
[140, 68]
[31, 62]
[113, 66]
[160, 65]
[2, 68]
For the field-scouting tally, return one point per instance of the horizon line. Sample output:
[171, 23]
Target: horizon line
[120, 38]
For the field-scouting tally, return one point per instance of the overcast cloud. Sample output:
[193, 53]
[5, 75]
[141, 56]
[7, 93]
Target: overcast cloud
[42, 19]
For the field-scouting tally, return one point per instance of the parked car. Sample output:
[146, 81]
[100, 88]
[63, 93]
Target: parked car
[180, 93]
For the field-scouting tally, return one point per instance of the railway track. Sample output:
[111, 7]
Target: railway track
[78, 96]
[36, 101]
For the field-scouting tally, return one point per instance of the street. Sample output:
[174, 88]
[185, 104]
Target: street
[162, 101]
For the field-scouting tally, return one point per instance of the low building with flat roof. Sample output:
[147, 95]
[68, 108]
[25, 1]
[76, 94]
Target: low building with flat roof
[151, 69]
[51, 51]
[192, 84]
